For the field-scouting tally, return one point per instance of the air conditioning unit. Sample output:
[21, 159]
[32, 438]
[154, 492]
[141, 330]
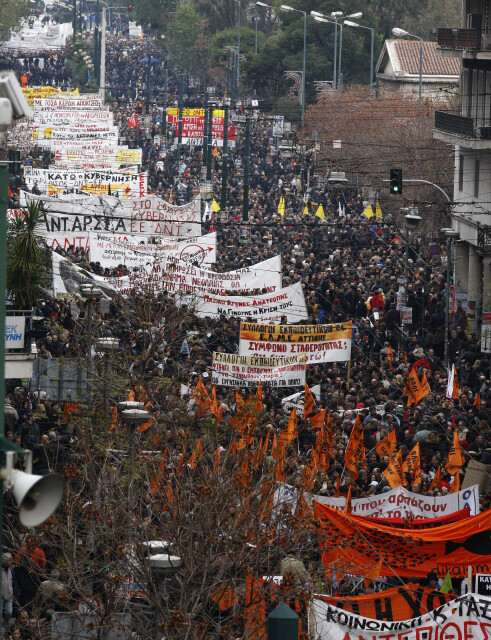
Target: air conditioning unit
[337, 177]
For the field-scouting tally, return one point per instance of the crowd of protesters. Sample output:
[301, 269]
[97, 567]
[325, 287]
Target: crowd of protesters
[348, 266]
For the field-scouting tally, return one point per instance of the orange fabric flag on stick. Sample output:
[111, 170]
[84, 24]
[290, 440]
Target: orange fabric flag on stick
[393, 473]
[390, 355]
[131, 397]
[455, 456]
[437, 480]
[181, 461]
[154, 484]
[354, 449]
[197, 454]
[292, 429]
[477, 401]
[258, 403]
[318, 419]
[201, 397]
[146, 425]
[214, 403]
[413, 388]
[114, 423]
[455, 484]
[239, 401]
[309, 402]
[412, 464]
[387, 446]
[216, 461]
[338, 486]
[347, 506]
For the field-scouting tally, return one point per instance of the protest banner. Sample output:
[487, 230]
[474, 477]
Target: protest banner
[320, 343]
[297, 399]
[465, 617]
[193, 125]
[400, 603]
[270, 307]
[68, 276]
[232, 370]
[31, 93]
[51, 181]
[401, 503]
[49, 104]
[173, 276]
[135, 251]
[450, 548]
[93, 154]
[66, 116]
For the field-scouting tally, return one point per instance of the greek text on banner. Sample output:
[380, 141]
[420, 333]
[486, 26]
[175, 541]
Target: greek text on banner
[232, 370]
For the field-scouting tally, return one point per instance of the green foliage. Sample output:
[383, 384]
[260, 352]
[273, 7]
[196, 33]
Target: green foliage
[27, 272]
[183, 39]
[11, 13]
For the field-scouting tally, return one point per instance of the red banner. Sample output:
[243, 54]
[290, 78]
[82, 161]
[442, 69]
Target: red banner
[193, 125]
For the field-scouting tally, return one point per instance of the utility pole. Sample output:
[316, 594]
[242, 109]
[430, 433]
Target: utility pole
[247, 155]
[149, 73]
[102, 71]
[74, 18]
[179, 131]
[210, 142]
[166, 98]
[204, 152]
[225, 157]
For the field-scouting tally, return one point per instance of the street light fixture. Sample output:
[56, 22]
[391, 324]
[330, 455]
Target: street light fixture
[266, 6]
[286, 7]
[400, 33]
[348, 23]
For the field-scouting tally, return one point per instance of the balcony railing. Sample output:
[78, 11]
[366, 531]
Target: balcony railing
[459, 38]
[455, 123]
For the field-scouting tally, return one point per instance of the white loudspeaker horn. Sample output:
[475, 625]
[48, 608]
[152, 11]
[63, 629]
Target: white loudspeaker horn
[37, 496]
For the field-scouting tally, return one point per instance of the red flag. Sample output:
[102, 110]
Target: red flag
[132, 122]
[477, 401]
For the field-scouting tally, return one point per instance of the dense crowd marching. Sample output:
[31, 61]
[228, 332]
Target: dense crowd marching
[348, 267]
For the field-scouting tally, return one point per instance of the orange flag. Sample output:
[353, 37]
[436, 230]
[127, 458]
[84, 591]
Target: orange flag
[338, 486]
[393, 473]
[197, 454]
[437, 480]
[455, 484]
[154, 484]
[413, 388]
[258, 404]
[309, 474]
[374, 572]
[390, 355]
[425, 386]
[405, 356]
[309, 402]
[292, 429]
[201, 397]
[455, 456]
[318, 419]
[347, 506]
[387, 446]
[257, 454]
[131, 397]
[214, 403]
[412, 464]
[477, 401]
[239, 401]
[146, 425]
[216, 461]
[456, 386]
[274, 448]
[114, 423]
[354, 449]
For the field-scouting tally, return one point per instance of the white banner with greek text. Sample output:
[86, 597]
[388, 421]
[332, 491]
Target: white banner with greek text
[232, 370]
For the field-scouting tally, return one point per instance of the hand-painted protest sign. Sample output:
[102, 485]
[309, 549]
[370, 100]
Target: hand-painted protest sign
[465, 617]
[320, 343]
[53, 181]
[231, 370]
[193, 125]
[135, 251]
[288, 302]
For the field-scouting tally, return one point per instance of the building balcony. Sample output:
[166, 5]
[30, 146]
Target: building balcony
[474, 43]
[461, 130]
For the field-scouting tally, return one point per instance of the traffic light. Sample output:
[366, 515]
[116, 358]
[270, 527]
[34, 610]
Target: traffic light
[139, 108]
[130, 8]
[396, 181]
[14, 162]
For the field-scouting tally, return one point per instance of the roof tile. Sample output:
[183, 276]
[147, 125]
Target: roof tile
[433, 65]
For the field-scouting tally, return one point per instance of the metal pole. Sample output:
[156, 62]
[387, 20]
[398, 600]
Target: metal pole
[420, 69]
[225, 159]
[179, 130]
[340, 73]
[406, 265]
[102, 73]
[228, 75]
[205, 134]
[132, 466]
[4, 185]
[255, 35]
[149, 73]
[238, 56]
[96, 51]
[74, 18]
[447, 302]
[335, 86]
[210, 142]
[371, 59]
[303, 69]
[247, 154]
[166, 98]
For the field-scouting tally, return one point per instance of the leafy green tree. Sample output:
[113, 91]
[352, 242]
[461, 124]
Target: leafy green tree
[27, 272]
[184, 40]
[11, 13]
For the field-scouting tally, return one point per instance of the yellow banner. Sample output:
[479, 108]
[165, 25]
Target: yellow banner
[295, 333]
[43, 92]
[195, 113]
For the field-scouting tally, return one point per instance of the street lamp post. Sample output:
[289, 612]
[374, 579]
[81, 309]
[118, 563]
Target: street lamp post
[267, 6]
[399, 33]
[334, 18]
[132, 416]
[237, 79]
[285, 7]
[90, 292]
[411, 223]
[450, 235]
[223, 203]
[348, 23]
